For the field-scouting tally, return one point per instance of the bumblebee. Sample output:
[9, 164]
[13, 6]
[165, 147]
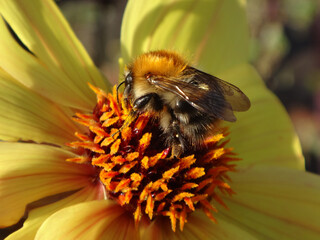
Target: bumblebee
[189, 103]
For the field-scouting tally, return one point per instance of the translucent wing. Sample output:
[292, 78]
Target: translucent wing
[206, 93]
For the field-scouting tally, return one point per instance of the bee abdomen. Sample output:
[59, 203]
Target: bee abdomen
[198, 127]
[195, 125]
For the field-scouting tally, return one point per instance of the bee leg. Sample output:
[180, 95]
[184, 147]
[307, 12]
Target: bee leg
[139, 105]
[176, 151]
[131, 117]
[178, 141]
[156, 103]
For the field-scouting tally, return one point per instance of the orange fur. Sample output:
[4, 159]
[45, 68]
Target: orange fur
[162, 62]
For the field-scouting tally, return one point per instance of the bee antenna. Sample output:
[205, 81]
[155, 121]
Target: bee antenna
[118, 90]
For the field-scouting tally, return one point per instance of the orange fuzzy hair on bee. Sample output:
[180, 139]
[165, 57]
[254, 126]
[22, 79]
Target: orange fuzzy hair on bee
[164, 63]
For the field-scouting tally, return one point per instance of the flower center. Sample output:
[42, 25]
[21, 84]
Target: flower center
[137, 170]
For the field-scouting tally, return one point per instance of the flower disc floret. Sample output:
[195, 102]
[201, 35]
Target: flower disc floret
[138, 170]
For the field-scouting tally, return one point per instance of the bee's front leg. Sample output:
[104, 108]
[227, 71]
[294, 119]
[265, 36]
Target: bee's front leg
[152, 98]
[138, 106]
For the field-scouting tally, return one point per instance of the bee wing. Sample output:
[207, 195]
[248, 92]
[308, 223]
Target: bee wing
[233, 95]
[206, 93]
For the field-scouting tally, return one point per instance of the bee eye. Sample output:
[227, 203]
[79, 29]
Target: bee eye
[129, 79]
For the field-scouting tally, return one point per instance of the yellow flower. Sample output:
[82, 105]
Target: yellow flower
[43, 86]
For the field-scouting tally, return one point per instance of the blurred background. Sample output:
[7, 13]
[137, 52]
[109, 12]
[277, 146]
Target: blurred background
[285, 49]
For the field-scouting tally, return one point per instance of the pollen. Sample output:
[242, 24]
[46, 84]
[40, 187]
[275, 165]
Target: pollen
[138, 170]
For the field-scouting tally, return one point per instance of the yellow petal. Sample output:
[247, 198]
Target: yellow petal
[59, 67]
[213, 33]
[91, 220]
[264, 134]
[29, 172]
[277, 203]
[25, 115]
[37, 216]
[199, 226]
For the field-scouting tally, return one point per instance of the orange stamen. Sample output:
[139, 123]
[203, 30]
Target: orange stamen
[130, 153]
